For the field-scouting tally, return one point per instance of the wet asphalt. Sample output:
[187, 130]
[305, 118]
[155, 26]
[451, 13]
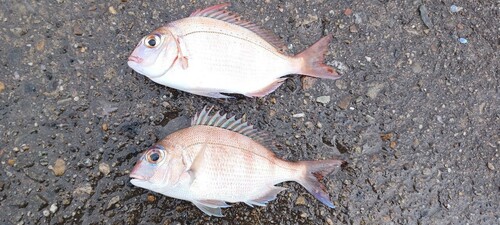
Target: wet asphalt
[416, 115]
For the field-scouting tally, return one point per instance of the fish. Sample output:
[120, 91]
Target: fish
[214, 53]
[220, 160]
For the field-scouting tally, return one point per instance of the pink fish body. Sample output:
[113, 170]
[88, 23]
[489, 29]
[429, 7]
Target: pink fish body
[219, 160]
[214, 51]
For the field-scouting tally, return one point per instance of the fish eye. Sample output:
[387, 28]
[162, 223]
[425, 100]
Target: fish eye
[152, 41]
[154, 156]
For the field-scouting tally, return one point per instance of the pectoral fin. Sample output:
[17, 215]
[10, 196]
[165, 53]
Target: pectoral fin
[197, 164]
[182, 53]
[184, 62]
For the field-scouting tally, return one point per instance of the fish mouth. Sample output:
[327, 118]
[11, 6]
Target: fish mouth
[137, 176]
[135, 59]
[138, 182]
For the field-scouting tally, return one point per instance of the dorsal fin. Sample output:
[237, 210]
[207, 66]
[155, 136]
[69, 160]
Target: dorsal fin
[232, 124]
[219, 12]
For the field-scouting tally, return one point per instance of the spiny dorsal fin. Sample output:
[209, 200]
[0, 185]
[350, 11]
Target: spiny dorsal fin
[219, 12]
[232, 124]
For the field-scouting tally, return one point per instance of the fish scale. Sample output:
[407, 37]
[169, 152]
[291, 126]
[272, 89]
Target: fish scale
[258, 171]
[245, 69]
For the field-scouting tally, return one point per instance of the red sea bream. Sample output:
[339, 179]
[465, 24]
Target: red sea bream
[218, 160]
[215, 51]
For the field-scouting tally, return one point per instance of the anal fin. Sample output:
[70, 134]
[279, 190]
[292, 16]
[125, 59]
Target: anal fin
[214, 203]
[209, 210]
[268, 89]
[211, 94]
[269, 196]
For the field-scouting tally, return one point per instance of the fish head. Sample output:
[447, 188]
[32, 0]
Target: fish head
[157, 168]
[154, 54]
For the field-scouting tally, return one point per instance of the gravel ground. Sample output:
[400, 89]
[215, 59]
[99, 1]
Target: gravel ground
[416, 114]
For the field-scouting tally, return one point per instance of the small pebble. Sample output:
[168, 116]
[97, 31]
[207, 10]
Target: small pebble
[44, 162]
[151, 198]
[323, 99]
[424, 15]
[46, 213]
[374, 90]
[463, 40]
[53, 208]
[357, 18]
[11, 162]
[416, 68]
[77, 30]
[309, 124]
[66, 201]
[83, 189]
[299, 115]
[40, 45]
[87, 130]
[19, 31]
[344, 103]
[307, 82]
[353, 29]
[25, 147]
[104, 168]
[112, 10]
[490, 166]
[386, 137]
[104, 126]
[272, 113]
[454, 8]
[348, 12]
[300, 201]
[2, 87]
[113, 201]
[59, 167]
[88, 162]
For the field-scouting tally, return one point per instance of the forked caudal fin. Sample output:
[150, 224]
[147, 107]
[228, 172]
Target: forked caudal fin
[315, 171]
[313, 58]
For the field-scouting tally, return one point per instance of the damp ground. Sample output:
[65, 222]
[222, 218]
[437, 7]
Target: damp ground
[416, 115]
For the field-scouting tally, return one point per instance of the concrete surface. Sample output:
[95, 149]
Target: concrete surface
[416, 114]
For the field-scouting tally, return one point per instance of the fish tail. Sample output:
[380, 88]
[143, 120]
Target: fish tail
[312, 60]
[314, 172]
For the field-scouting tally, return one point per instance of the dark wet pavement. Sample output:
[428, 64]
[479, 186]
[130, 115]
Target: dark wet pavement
[416, 114]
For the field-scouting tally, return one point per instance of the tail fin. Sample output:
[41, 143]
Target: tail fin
[315, 171]
[313, 58]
